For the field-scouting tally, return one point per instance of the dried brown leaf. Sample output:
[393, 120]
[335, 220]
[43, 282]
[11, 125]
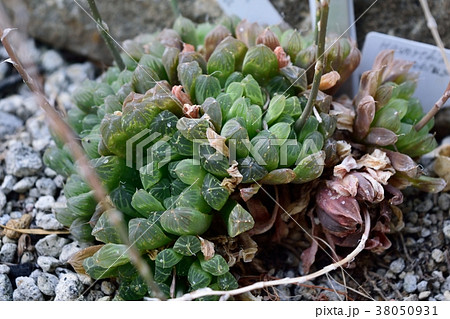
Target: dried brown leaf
[76, 261]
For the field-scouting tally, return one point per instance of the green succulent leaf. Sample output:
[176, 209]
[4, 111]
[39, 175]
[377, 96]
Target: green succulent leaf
[237, 219]
[221, 65]
[214, 194]
[97, 272]
[82, 205]
[150, 175]
[145, 203]
[105, 231]
[193, 129]
[206, 86]
[81, 230]
[185, 221]
[59, 160]
[187, 245]
[146, 234]
[190, 172]
[162, 274]
[276, 108]
[250, 170]
[167, 258]
[261, 63]
[216, 266]
[111, 255]
[75, 185]
[197, 277]
[227, 281]
[122, 197]
[253, 90]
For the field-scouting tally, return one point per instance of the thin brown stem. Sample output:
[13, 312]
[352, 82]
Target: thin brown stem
[320, 59]
[432, 25]
[104, 32]
[437, 106]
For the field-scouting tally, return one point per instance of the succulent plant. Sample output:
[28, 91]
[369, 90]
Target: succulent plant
[184, 138]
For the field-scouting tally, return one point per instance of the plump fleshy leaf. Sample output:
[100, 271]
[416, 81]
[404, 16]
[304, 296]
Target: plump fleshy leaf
[185, 221]
[146, 234]
[167, 258]
[214, 194]
[216, 266]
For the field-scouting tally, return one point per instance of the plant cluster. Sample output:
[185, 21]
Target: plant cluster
[195, 136]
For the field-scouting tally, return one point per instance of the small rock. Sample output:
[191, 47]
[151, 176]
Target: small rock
[422, 286]
[2, 201]
[438, 275]
[8, 252]
[4, 269]
[48, 221]
[47, 263]
[6, 290]
[447, 295]
[24, 184]
[107, 288]
[85, 279]
[40, 135]
[8, 184]
[59, 181]
[437, 255]
[446, 231]
[45, 203]
[397, 265]
[27, 257]
[69, 250]
[425, 232]
[16, 215]
[106, 298]
[11, 103]
[68, 288]
[46, 186]
[51, 60]
[34, 193]
[94, 295]
[79, 72]
[9, 124]
[410, 283]
[424, 294]
[60, 271]
[27, 290]
[51, 245]
[22, 160]
[49, 172]
[412, 297]
[35, 274]
[444, 201]
[425, 206]
[47, 284]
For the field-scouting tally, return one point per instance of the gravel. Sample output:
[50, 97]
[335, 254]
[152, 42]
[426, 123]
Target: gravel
[397, 266]
[8, 253]
[69, 287]
[27, 290]
[9, 124]
[48, 221]
[24, 184]
[47, 284]
[22, 160]
[47, 263]
[6, 290]
[51, 245]
[410, 283]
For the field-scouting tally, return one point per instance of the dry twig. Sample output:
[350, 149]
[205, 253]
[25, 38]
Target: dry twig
[437, 106]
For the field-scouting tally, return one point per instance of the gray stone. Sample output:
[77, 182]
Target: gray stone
[59, 181]
[94, 295]
[107, 288]
[425, 206]
[27, 257]
[51, 60]
[78, 72]
[6, 290]
[8, 252]
[24, 184]
[15, 215]
[63, 24]
[397, 266]
[68, 288]
[27, 290]
[446, 230]
[4, 269]
[48, 264]
[85, 279]
[9, 124]
[444, 201]
[40, 135]
[69, 250]
[422, 286]
[2, 201]
[22, 160]
[47, 284]
[46, 186]
[425, 232]
[35, 274]
[437, 255]
[410, 283]
[34, 193]
[11, 104]
[424, 294]
[48, 221]
[45, 203]
[51, 245]
[8, 184]
[49, 172]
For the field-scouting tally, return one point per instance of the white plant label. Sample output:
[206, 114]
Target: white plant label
[261, 11]
[433, 76]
